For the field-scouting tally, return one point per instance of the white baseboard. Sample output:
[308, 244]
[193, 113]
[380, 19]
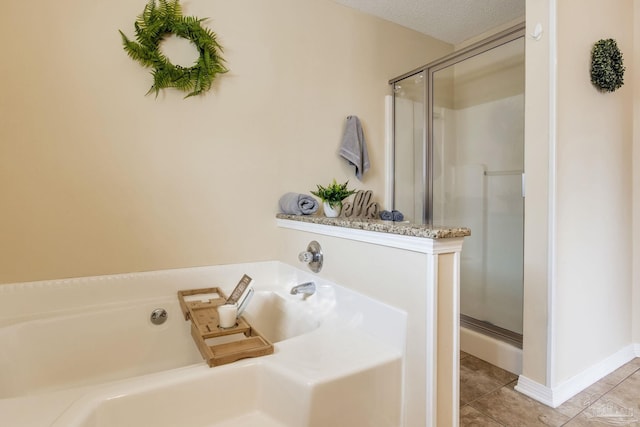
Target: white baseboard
[555, 396]
[491, 350]
[535, 390]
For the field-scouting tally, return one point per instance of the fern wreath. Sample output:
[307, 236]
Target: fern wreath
[158, 21]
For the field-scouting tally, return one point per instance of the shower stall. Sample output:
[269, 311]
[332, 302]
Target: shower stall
[458, 159]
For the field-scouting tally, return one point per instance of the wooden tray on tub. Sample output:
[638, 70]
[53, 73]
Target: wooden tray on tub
[219, 346]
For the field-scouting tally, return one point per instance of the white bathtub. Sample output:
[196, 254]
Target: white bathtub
[83, 352]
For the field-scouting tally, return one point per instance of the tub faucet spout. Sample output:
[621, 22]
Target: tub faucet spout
[306, 289]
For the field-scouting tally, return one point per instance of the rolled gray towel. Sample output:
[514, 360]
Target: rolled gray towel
[394, 215]
[397, 216]
[298, 204]
[386, 216]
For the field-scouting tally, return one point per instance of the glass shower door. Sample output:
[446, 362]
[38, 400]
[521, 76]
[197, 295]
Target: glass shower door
[477, 175]
[409, 146]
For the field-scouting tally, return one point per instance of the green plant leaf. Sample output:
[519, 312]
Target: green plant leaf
[334, 193]
[157, 21]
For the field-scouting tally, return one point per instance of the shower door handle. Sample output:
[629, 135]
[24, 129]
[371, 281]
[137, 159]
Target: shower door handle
[523, 185]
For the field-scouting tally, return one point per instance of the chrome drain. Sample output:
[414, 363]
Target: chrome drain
[158, 316]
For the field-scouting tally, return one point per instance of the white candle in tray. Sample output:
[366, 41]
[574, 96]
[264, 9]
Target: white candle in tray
[227, 314]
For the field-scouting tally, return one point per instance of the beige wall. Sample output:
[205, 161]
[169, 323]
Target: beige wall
[593, 288]
[587, 284]
[635, 78]
[97, 178]
[538, 137]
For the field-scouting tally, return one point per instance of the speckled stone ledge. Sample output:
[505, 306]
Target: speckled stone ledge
[401, 228]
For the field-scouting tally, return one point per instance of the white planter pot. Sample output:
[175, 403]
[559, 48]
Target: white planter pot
[331, 212]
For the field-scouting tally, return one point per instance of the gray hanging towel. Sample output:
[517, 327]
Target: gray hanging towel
[354, 147]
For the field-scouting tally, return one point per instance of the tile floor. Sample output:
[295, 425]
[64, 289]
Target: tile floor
[488, 399]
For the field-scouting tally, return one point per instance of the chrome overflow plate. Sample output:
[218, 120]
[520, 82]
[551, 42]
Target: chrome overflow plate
[312, 256]
[158, 316]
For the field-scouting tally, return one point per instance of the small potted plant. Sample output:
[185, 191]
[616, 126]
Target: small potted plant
[332, 197]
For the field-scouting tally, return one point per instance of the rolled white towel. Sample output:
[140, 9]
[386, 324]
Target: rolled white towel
[298, 204]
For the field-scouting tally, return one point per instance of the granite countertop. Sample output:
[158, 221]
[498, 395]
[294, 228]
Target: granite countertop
[402, 228]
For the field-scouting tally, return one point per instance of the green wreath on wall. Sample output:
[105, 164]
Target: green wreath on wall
[607, 68]
[158, 21]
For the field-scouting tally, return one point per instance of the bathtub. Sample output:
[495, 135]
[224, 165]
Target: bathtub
[83, 352]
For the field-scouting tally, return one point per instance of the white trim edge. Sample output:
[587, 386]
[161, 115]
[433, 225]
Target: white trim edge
[388, 152]
[556, 396]
[552, 196]
[411, 243]
[534, 390]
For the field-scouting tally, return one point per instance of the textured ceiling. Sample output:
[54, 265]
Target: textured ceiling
[452, 21]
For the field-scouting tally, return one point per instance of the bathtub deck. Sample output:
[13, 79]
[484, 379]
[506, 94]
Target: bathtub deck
[330, 352]
[257, 418]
